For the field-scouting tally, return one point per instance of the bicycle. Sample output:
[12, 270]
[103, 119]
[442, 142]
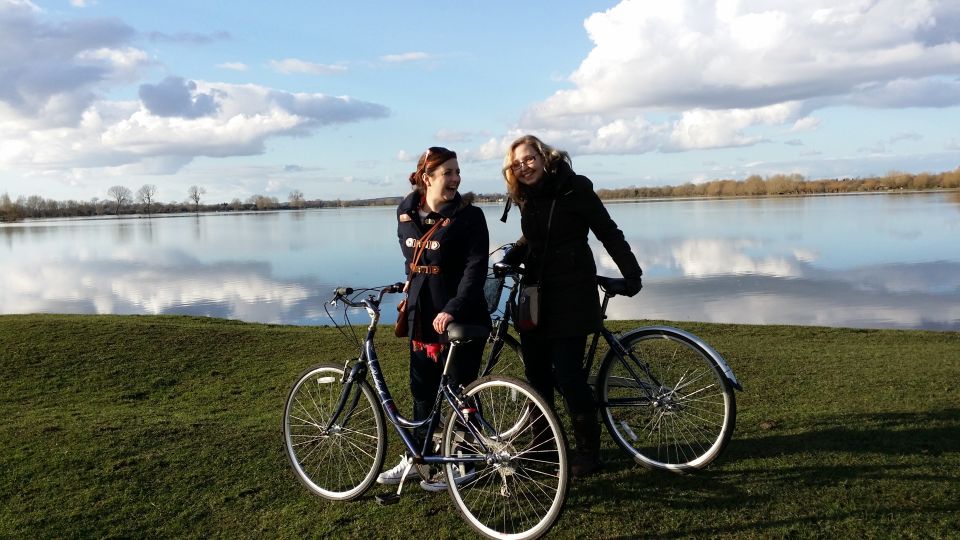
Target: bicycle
[665, 396]
[335, 435]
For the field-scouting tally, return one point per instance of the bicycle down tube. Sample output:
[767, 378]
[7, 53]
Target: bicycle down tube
[369, 362]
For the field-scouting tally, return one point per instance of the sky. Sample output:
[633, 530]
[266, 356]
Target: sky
[339, 99]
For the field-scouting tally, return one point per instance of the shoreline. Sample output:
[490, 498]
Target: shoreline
[481, 203]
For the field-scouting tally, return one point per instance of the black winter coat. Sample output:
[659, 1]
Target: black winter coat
[570, 303]
[461, 253]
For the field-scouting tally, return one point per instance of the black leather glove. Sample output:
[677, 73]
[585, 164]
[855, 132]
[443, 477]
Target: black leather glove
[515, 256]
[634, 284]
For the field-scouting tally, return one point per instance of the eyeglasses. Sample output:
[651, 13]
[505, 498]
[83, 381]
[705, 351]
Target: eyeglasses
[527, 162]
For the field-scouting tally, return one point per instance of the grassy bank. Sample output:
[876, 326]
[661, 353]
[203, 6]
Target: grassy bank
[170, 426]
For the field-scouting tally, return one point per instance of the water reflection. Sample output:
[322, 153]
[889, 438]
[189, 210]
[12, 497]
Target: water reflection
[172, 283]
[146, 231]
[720, 280]
[762, 262]
[845, 300]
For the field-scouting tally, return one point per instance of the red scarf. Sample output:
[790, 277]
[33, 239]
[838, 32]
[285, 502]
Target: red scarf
[434, 350]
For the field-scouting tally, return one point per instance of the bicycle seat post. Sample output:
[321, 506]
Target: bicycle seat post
[603, 306]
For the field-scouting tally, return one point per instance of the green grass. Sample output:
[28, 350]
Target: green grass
[131, 426]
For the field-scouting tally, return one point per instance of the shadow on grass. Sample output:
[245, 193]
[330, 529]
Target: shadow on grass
[883, 454]
[886, 433]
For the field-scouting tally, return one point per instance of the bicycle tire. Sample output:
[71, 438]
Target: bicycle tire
[687, 420]
[519, 489]
[341, 463]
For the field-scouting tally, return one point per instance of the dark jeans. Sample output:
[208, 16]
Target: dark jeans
[425, 378]
[549, 361]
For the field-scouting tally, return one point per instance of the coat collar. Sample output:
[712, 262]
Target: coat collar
[549, 186]
[411, 203]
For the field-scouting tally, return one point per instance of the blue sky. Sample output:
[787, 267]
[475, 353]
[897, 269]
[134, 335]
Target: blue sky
[337, 99]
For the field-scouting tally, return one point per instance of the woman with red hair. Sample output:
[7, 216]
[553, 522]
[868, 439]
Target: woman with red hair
[445, 284]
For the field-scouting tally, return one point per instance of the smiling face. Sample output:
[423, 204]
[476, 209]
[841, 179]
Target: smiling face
[527, 164]
[442, 183]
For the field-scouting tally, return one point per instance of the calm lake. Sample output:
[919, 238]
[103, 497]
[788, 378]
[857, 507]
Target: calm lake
[868, 261]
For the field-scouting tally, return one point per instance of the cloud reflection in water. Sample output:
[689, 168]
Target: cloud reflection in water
[719, 281]
[162, 283]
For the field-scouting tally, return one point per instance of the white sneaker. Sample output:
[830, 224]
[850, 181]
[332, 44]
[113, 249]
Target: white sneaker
[393, 476]
[439, 481]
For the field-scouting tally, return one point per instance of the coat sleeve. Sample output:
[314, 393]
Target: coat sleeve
[607, 232]
[475, 270]
[403, 247]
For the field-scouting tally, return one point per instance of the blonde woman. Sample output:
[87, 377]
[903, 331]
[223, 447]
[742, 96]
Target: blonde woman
[558, 209]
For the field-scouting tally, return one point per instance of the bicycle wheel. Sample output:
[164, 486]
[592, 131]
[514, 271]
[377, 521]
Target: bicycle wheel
[503, 357]
[518, 489]
[342, 462]
[680, 415]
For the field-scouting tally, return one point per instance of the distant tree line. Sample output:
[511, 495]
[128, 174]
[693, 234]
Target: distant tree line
[122, 201]
[793, 184]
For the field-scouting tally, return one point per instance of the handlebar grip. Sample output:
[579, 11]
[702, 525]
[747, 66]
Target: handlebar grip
[502, 269]
[396, 287]
[343, 291]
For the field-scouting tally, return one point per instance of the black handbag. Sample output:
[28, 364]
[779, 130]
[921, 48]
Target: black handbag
[527, 315]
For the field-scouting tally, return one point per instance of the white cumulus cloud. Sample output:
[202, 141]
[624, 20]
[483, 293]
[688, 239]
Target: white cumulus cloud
[55, 114]
[694, 74]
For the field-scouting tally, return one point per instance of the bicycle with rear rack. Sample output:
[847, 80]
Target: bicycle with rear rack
[504, 440]
[665, 395]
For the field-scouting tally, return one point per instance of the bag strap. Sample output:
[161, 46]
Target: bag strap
[422, 245]
[546, 241]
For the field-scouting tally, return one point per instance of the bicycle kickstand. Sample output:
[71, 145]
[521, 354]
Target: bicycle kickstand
[385, 499]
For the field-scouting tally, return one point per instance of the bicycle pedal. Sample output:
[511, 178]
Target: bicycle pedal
[386, 499]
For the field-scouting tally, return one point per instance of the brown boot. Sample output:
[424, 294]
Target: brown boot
[586, 458]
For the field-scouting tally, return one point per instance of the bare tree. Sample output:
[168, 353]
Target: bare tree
[9, 210]
[263, 202]
[121, 195]
[194, 193]
[146, 194]
[296, 199]
[35, 206]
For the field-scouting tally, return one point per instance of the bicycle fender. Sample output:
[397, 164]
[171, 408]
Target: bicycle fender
[724, 367]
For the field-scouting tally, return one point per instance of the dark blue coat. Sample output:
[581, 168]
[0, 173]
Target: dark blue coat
[461, 252]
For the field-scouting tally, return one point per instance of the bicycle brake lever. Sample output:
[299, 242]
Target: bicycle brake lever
[340, 292]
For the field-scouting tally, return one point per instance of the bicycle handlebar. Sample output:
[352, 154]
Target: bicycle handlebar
[502, 269]
[341, 294]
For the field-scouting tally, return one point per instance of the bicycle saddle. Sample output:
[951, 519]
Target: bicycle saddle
[466, 332]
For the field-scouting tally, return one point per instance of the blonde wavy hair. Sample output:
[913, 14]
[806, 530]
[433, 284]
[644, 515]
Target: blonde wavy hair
[551, 157]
